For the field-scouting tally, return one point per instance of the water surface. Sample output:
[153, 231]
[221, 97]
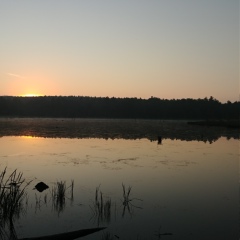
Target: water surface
[188, 188]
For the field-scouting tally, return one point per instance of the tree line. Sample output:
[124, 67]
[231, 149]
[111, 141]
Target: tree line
[105, 107]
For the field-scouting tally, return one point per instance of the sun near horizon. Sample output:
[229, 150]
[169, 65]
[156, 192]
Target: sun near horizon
[31, 95]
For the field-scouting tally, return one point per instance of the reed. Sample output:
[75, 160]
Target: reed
[72, 186]
[127, 202]
[126, 193]
[61, 190]
[59, 196]
[38, 201]
[45, 199]
[101, 208]
[12, 193]
[71, 190]
[107, 209]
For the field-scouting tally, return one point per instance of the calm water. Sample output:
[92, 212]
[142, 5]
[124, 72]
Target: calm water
[187, 188]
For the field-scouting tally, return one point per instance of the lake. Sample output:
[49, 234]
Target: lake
[184, 187]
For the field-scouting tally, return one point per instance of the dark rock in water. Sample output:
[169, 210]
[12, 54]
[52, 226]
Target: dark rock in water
[41, 186]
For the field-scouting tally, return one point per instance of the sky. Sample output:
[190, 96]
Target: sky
[129, 48]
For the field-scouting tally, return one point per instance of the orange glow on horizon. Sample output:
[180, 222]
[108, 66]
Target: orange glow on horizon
[31, 95]
[27, 137]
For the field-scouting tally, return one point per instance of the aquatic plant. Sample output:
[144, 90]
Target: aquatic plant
[101, 208]
[71, 187]
[59, 195]
[45, 199]
[12, 194]
[127, 201]
[126, 194]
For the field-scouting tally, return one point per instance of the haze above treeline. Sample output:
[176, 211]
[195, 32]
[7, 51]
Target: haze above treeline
[105, 107]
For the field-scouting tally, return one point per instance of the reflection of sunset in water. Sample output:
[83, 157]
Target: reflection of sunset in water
[193, 179]
[28, 137]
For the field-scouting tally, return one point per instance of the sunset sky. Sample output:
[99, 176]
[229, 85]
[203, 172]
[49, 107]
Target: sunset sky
[125, 48]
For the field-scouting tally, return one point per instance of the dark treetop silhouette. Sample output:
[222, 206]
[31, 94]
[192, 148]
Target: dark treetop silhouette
[105, 107]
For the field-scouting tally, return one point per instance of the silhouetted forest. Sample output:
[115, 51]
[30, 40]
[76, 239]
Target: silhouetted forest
[105, 107]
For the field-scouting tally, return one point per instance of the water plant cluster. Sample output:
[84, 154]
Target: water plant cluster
[14, 199]
[12, 195]
[59, 196]
[14, 202]
[101, 208]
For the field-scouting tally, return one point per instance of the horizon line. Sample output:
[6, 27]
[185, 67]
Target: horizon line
[112, 97]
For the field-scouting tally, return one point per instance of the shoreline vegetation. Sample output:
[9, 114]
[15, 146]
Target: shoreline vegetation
[118, 108]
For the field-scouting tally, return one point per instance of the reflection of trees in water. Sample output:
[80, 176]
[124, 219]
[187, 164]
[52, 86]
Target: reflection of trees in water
[113, 129]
